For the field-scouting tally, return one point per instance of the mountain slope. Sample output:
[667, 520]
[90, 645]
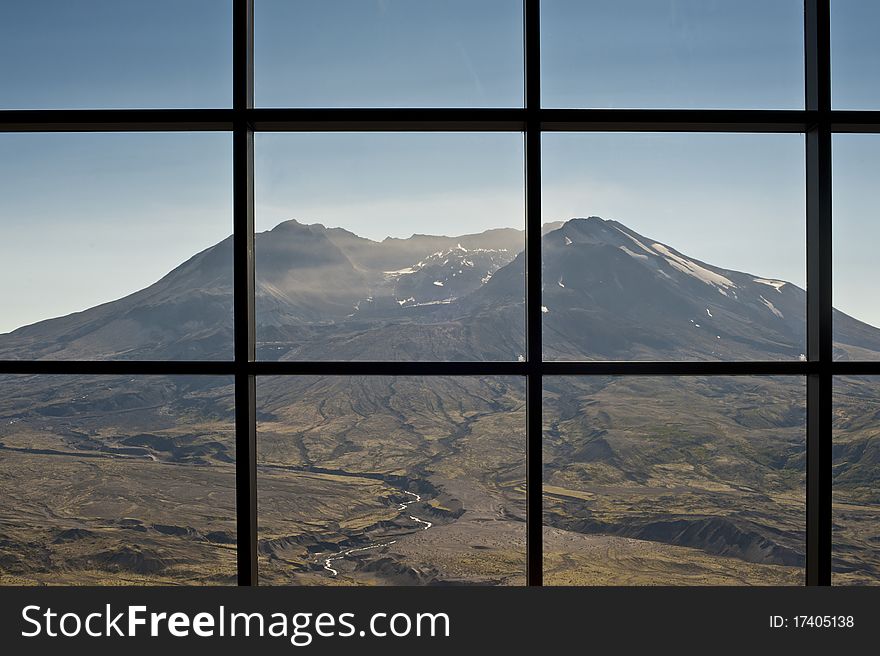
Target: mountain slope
[609, 293]
[613, 294]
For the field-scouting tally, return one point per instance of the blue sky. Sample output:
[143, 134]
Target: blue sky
[380, 184]
[74, 54]
[676, 54]
[856, 197]
[733, 200]
[855, 54]
[393, 53]
[88, 218]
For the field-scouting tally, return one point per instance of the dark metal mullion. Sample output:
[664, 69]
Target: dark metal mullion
[819, 347]
[243, 290]
[116, 120]
[118, 367]
[855, 121]
[817, 40]
[436, 119]
[533, 291]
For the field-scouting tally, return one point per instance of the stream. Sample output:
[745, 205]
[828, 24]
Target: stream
[328, 562]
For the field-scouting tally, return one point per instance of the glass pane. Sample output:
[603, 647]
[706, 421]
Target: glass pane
[856, 162]
[855, 54]
[96, 54]
[674, 481]
[856, 472]
[693, 247]
[390, 53]
[116, 246]
[389, 246]
[673, 54]
[117, 480]
[391, 481]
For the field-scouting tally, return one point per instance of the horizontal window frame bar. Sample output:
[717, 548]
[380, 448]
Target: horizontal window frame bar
[120, 367]
[854, 121]
[388, 120]
[476, 368]
[673, 120]
[117, 120]
[434, 120]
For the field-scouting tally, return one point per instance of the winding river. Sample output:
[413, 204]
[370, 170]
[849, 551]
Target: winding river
[402, 508]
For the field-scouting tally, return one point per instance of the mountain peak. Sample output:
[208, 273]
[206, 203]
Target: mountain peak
[585, 222]
[595, 230]
[590, 223]
[293, 224]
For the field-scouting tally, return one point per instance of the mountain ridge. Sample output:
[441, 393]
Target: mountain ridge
[323, 293]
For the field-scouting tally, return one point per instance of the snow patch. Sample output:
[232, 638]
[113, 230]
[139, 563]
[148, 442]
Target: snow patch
[772, 307]
[776, 284]
[400, 272]
[693, 269]
[635, 241]
[638, 256]
[444, 301]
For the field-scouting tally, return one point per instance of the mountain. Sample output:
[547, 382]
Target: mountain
[614, 294]
[421, 480]
[325, 293]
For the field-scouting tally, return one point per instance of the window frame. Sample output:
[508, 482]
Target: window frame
[817, 122]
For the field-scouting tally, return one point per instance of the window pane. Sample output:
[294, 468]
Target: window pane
[675, 54]
[855, 54]
[117, 480]
[693, 246]
[116, 246]
[63, 54]
[391, 481]
[856, 500]
[390, 53]
[674, 481]
[389, 246]
[856, 162]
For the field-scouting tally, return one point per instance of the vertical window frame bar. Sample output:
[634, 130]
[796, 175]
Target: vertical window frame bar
[243, 293]
[817, 79]
[534, 343]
